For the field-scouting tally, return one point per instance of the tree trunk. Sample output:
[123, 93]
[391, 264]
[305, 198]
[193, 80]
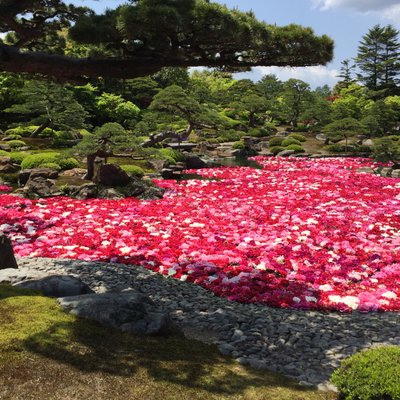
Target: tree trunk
[90, 167]
[41, 128]
[7, 258]
[252, 122]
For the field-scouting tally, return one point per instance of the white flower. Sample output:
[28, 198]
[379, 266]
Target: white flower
[325, 288]
[389, 295]
[311, 299]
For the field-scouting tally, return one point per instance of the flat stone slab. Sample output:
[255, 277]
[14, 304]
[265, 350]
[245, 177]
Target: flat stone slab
[56, 286]
[13, 276]
[128, 311]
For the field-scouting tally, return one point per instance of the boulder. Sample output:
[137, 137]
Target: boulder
[27, 174]
[13, 275]
[286, 153]
[8, 169]
[5, 147]
[111, 175]
[78, 172]
[128, 311]
[194, 162]
[40, 187]
[57, 286]
[84, 192]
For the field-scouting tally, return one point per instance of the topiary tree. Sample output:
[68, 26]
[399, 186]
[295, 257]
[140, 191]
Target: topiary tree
[387, 149]
[143, 36]
[343, 129]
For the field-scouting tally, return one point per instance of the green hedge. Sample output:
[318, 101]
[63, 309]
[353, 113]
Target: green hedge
[239, 145]
[176, 155]
[373, 374]
[39, 159]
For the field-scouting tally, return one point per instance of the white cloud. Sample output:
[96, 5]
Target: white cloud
[315, 75]
[389, 9]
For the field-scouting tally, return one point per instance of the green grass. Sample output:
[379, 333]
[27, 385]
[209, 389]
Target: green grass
[48, 354]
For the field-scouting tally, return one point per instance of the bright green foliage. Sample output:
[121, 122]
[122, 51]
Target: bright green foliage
[40, 159]
[250, 105]
[387, 149]
[133, 170]
[115, 108]
[373, 374]
[51, 165]
[266, 130]
[276, 141]
[230, 135]
[289, 141]
[169, 76]
[16, 144]
[14, 137]
[297, 136]
[16, 157]
[276, 149]
[239, 145]
[176, 155]
[297, 148]
[26, 131]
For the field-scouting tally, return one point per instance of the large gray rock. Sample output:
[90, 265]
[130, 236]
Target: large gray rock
[111, 175]
[57, 286]
[286, 153]
[38, 187]
[13, 276]
[32, 173]
[194, 162]
[128, 311]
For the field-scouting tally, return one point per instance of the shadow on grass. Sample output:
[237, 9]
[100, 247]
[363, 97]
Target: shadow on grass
[171, 359]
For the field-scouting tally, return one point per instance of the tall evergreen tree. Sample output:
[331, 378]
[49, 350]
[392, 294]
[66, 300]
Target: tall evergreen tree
[346, 73]
[378, 58]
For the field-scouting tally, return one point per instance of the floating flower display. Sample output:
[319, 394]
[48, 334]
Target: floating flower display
[298, 233]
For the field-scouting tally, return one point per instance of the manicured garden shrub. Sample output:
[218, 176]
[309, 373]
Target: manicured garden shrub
[28, 130]
[239, 145]
[297, 148]
[51, 165]
[16, 144]
[289, 141]
[14, 137]
[4, 153]
[17, 157]
[373, 374]
[335, 148]
[67, 163]
[261, 132]
[276, 149]
[39, 159]
[298, 137]
[276, 141]
[133, 170]
[176, 155]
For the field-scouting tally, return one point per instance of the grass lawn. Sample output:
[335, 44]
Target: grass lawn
[48, 354]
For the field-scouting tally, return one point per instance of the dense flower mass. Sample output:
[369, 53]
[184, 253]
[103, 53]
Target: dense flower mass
[5, 188]
[299, 233]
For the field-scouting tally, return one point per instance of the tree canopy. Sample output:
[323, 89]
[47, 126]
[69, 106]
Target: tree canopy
[141, 37]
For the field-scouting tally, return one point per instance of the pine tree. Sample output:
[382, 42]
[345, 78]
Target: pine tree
[346, 73]
[378, 58]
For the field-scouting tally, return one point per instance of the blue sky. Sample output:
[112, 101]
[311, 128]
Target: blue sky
[345, 21]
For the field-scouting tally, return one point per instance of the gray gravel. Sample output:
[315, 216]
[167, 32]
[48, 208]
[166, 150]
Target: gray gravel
[305, 345]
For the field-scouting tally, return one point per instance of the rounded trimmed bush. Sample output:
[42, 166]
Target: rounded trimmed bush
[335, 148]
[17, 157]
[297, 148]
[370, 375]
[298, 137]
[276, 141]
[16, 144]
[37, 160]
[14, 137]
[51, 165]
[290, 141]
[276, 149]
[133, 170]
[239, 145]
[25, 131]
[68, 163]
